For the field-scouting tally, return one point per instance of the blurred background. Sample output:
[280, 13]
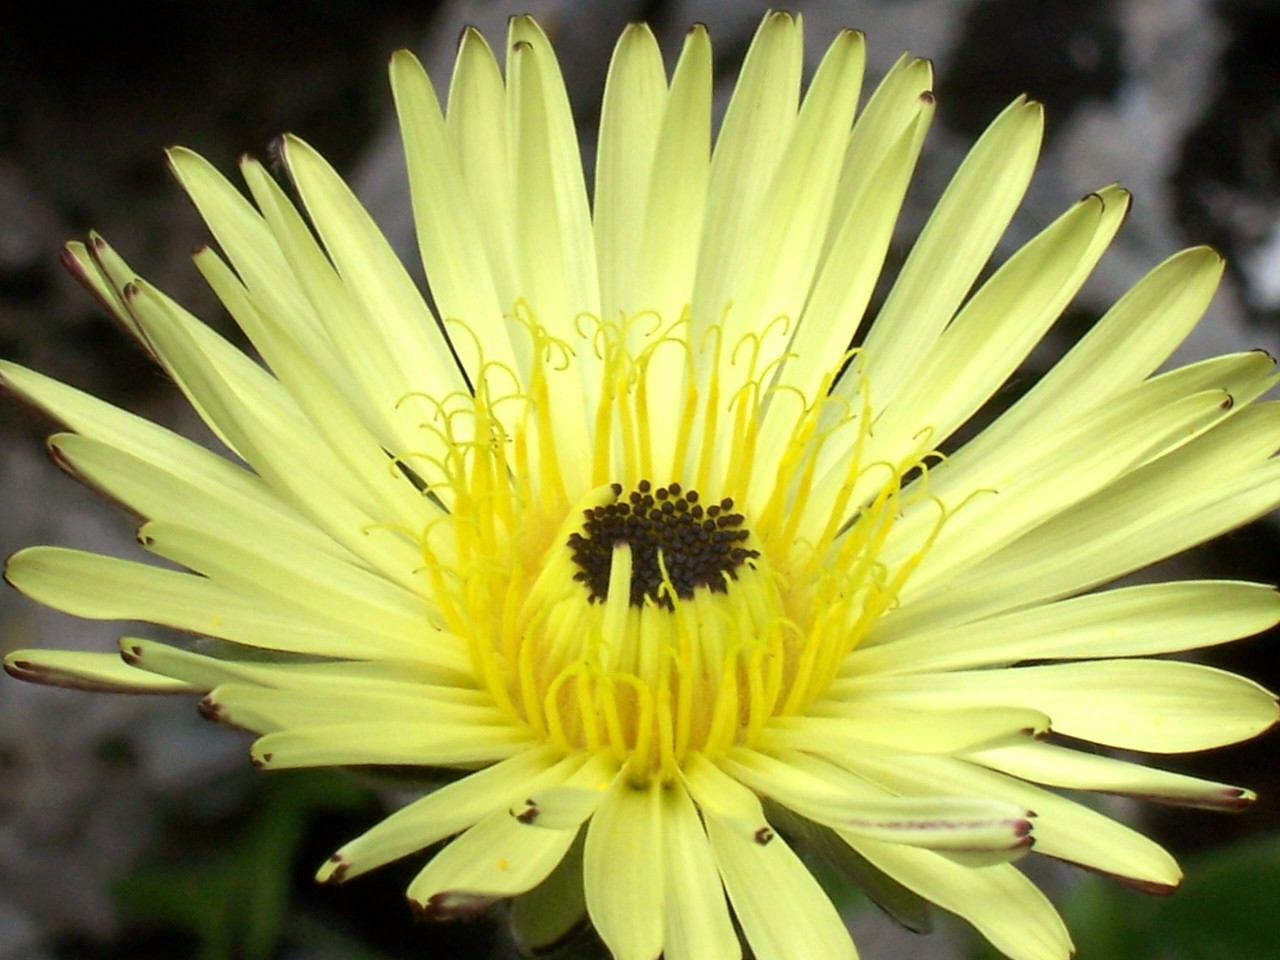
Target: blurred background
[128, 827]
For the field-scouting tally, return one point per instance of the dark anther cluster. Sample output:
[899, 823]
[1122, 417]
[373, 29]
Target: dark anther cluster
[700, 545]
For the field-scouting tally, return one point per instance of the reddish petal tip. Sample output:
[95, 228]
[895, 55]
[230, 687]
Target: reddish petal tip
[449, 905]
[339, 873]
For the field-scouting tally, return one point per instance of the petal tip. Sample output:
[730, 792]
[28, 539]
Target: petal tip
[449, 905]
[334, 870]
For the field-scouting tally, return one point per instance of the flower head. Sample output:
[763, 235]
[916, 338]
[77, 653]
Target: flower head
[626, 533]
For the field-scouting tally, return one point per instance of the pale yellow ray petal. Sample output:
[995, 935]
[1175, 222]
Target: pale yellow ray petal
[107, 588]
[676, 194]
[953, 247]
[1244, 377]
[283, 673]
[390, 306]
[1215, 483]
[1071, 467]
[1005, 318]
[252, 247]
[1131, 621]
[336, 421]
[154, 318]
[497, 858]
[327, 589]
[1077, 770]
[778, 259]
[266, 428]
[1128, 343]
[448, 230]
[697, 924]
[623, 867]
[396, 411]
[783, 912]
[554, 170]
[476, 118]
[1064, 829]
[152, 489]
[891, 108]
[844, 283]
[672, 232]
[753, 137]
[81, 261]
[635, 96]
[771, 278]
[149, 442]
[829, 795]
[980, 349]
[849, 725]
[443, 812]
[1160, 706]
[97, 672]
[266, 710]
[553, 245]
[1005, 907]
[383, 743]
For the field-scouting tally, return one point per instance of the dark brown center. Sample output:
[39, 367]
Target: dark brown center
[700, 546]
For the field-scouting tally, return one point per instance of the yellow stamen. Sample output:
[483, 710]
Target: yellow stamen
[621, 647]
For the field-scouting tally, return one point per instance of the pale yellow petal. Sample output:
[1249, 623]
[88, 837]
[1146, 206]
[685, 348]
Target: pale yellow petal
[1160, 706]
[953, 247]
[266, 710]
[445, 811]
[1130, 621]
[98, 672]
[848, 725]
[697, 920]
[1063, 828]
[635, 95]
[623, 867]
[1079, 770]
[497, 858]
[783, 912]
[388, 743]
[829, 795]
[1004, 906]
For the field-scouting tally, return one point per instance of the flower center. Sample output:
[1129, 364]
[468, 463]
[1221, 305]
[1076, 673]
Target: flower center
[655, 626]
[650, 622]
[676, 544]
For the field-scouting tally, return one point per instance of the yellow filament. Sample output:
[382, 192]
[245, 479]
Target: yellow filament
[652, 684]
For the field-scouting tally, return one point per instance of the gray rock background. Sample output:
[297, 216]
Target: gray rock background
[1177, 99]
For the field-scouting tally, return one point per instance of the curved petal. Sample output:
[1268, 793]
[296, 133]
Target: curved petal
[455, 806]
[697, 916]
[497, 858]
[1064, 829]
[623, 866]
[830, 796]
[783, 912]
[849, 726]
[98, 672]
[1128, 622]
[1161, 706]
[1005, 907]
[383, 743]
[1058, 766]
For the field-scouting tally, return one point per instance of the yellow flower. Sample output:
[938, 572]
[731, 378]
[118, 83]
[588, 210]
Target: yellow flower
[635, 543]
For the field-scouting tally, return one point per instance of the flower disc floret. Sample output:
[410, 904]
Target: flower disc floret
[676, 544]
